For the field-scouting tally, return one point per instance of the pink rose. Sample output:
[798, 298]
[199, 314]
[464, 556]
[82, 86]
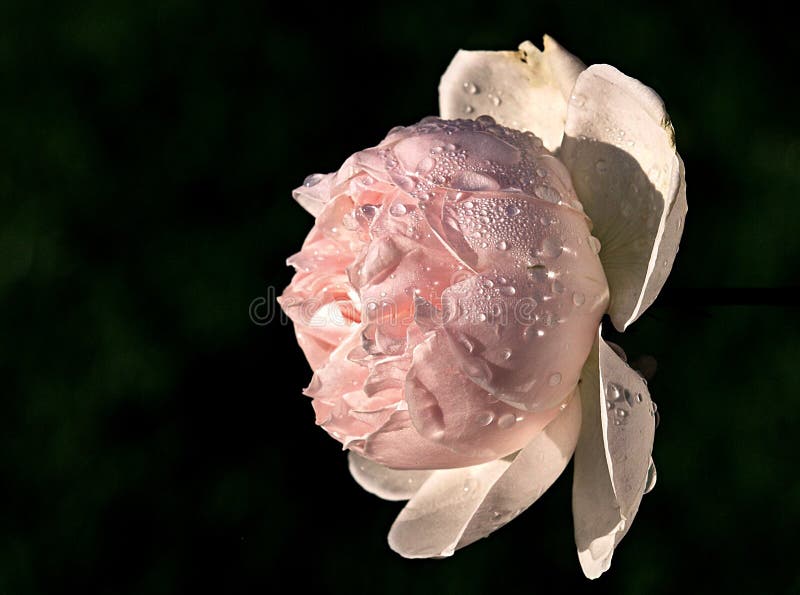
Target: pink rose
[449, 298]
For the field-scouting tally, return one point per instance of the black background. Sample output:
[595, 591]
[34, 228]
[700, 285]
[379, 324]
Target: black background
[154, 440]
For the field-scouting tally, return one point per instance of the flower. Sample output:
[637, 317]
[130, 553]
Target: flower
[449, 299]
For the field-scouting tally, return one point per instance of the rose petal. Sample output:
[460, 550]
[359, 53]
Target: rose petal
[525, 90]
[612, 457]
[528, 319]
[448, 408]
[532, 472]
[398, 445]
[619, 145]
[455, 507]
[384, 482]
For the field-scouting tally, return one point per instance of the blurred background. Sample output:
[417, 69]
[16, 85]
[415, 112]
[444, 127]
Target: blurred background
[154, 440]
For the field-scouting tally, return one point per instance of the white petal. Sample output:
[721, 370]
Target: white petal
[385, 482]
[458, 506]
[525, 90]
[612, 457]
[619, 146]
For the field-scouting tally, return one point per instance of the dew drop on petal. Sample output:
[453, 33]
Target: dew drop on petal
[651, 477]
[506, 420]
[554, 379]
[548, 193]
[398, 209]
[312, 180]
[484, 418]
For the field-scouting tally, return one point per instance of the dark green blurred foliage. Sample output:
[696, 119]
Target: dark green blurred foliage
[154, 440]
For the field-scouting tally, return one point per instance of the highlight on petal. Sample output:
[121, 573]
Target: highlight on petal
[456, 507]
[384, 482]
[612, 458]
[525, 90]
[619, 146]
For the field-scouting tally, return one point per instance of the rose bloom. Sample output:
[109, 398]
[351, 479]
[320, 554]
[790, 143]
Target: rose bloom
[450, 293]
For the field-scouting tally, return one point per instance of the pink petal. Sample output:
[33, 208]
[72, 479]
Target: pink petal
[447, 407]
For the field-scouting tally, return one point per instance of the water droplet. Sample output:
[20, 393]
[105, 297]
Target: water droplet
[506, 420]
[313, 180]
[496, 101]
[622, 412]
[613, 392]
[468, 109]
[578, 299]
[548, 193]
[485, 120]
[650, 483]
[541, 172]
[638, 397]
[426, 165]
[367, 180]
[512, 210]
[552, 248]
[465, 343]
[470, 484]
[654, 412]
[537, 272]
[609, 405]
[484, 418]
[471, 88]
[505, 354]
[554, 379]
[628, 397]
[502, 280]
[398, 209]
[508, 290]
[594, 244]
[601, 166]
[475, 181]
[501, 245]
[369, 211]
[577, 100]
[482, 317]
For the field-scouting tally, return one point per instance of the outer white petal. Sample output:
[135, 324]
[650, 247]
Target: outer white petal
[385, 482]
[458, 506]
[612, 457]
[619, 146]
[525, 90]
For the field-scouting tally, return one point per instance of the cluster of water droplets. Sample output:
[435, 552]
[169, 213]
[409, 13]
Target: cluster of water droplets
[620, 401]
[524, 167]
[473, 91]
